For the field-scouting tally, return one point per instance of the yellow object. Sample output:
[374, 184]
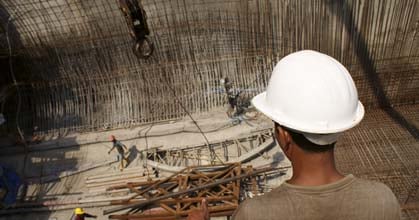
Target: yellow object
[78, 211]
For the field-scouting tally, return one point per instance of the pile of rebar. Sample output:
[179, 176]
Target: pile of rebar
[177, 195]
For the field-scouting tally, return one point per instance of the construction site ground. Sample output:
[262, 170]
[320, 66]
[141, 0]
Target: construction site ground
[56, 170]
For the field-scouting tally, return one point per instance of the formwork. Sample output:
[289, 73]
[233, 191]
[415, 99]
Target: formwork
[68, 67]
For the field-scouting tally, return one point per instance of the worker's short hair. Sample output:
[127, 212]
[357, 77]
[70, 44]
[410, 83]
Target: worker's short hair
[305, 144]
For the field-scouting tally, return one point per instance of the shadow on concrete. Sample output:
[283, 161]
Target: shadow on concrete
[48, 175]
[133, 153]
[10, 45]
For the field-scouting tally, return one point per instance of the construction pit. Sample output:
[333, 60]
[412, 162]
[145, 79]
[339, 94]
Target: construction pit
[74, 73]
[165, 158]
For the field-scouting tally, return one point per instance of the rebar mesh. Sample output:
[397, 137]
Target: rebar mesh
[83, 75]
[381, 149]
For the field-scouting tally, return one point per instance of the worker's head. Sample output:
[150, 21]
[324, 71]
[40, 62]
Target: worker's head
[112, 138]
[312, 99]
[78, 211]
[289, 140]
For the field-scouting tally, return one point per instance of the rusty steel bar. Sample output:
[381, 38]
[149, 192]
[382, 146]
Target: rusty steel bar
[153, 200]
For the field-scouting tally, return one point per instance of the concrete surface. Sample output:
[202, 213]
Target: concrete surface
[80, 151]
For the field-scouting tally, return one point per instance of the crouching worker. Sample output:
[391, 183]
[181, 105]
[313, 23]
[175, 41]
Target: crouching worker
[121, 148]
[79, 214]
[312, 100]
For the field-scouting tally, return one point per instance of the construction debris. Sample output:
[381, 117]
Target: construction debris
[238, 150]
[177, 195]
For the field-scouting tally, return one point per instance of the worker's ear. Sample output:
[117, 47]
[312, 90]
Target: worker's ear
[285, 140]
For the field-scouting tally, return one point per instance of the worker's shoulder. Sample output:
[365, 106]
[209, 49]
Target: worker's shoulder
[264, 206]
[375, 194]
[265, 198]
[276, 195]
[372, 187]
[362, 190]
[377, 197]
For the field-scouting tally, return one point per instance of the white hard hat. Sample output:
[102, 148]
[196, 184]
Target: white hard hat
[313, 94]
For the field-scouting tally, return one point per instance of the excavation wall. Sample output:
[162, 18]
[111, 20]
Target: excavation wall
[75, 69]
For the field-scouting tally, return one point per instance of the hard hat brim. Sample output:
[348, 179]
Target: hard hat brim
[259, 102]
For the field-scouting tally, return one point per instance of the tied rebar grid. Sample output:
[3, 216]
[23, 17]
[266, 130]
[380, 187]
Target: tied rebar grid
[80, 74]
[382, 150]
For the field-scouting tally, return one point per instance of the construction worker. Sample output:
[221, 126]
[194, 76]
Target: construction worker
[121, 152]
[231, 96]
[312, 100]
[79, 214]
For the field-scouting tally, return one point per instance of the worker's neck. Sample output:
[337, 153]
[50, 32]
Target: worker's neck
[314, 169]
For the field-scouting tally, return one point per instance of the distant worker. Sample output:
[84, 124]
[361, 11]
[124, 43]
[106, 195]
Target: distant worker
[79, 214]
[232, 98]
[312, 100]
[121, 152]
[36, 138]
